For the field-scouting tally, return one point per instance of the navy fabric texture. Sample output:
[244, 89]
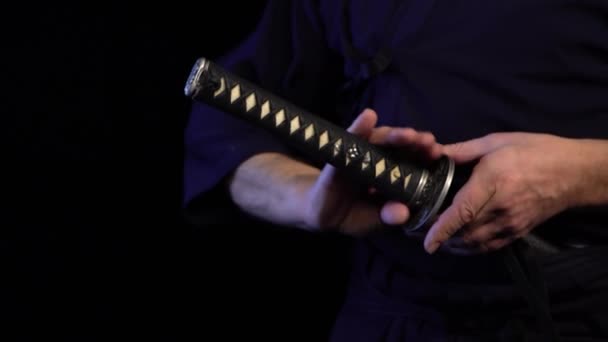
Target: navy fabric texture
[459, 69]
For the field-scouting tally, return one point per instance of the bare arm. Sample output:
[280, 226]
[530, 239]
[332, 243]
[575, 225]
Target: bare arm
[272, 186]
[593, 186]
[286, 191]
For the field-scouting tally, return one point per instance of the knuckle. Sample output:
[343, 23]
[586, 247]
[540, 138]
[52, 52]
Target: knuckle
[457, 147]
[427, 135]
[383, 130]
[513, 225]
[407, 131]
[443, 234]
[476, 239]
[428, 138]
[380, 135]
[466, 214]
[406, 134]
[393, 133]
[452, 230]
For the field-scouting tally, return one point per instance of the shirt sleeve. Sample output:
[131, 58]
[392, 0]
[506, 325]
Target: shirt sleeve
[286, 54]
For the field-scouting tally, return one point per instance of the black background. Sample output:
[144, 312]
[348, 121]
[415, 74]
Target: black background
[93, 239]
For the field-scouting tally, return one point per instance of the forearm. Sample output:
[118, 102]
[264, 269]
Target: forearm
[593, 157]
[273, 187]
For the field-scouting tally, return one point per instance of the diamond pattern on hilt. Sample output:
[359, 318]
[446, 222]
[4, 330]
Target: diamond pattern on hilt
[380, 167]
[279, 117]
[294, 124]
[235, 93]
[221, 89]
[395, 174]
[323, 139]
[337, 147]
[309, 132]
[250, 102]
[351, 153]
[406, 181]
[367, 160]
[265, 109]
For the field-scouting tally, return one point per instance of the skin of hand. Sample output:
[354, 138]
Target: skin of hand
[331, 202]
[519, 181]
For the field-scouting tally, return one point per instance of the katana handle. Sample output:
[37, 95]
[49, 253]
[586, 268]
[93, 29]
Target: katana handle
[422, 189]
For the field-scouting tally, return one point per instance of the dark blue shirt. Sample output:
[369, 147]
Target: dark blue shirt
[459, 68]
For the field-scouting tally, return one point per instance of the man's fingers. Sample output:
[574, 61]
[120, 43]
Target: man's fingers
[467, 204]
[480, 234]
[379, 135]
[457, 246]
[499, 243]
[482, 238]
[362, 218]
[466, 151]
[394, 213]
[447, 225]
[401, 136]
[364, 123]
[422, 142]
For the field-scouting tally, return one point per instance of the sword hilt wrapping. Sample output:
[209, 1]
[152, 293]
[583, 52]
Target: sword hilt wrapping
[422, 189]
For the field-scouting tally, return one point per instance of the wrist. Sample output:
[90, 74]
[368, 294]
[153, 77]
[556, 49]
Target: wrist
[591, 179]
[300, 185]
[271, 186]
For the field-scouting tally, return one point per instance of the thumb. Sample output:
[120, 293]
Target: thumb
[467, 204]
[466, 151]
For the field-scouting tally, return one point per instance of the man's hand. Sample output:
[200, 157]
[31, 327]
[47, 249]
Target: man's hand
[333, 202]
[283, 190]
[520, 181]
